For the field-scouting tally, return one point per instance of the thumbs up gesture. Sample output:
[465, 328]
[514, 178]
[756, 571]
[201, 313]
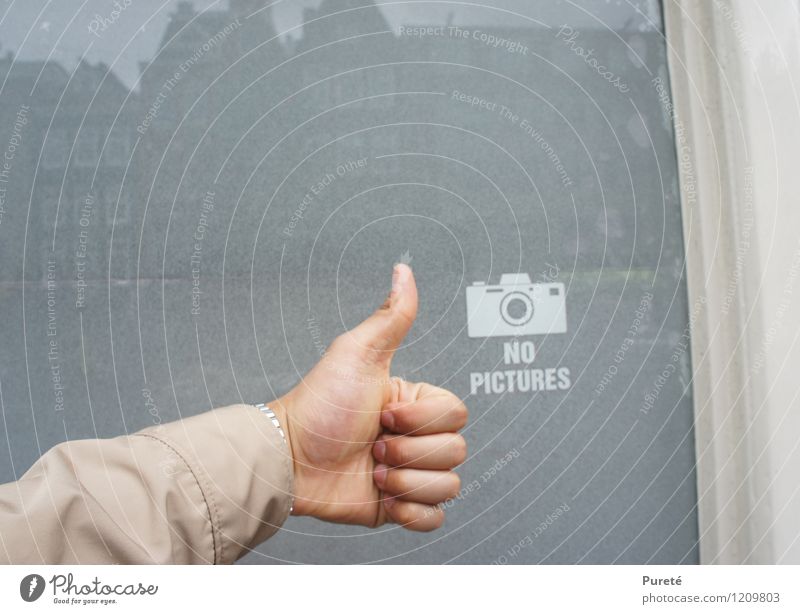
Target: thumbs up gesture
[369, 448]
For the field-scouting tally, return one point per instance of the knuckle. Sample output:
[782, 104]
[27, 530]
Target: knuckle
[396, 480]
[460, 414]
[399, 453]
[402, 419]
[396, 382]
[402, 514]
[432, 520]
[371, 348]
[454, 485]
[407, 318]
[438, 520]
[377, 350]
[459, 450]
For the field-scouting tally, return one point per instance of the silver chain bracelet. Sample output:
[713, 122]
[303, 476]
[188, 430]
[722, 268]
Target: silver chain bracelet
[271, 415]
[264, 409]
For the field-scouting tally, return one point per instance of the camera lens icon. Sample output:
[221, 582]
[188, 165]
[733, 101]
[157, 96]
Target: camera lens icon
[516, 308]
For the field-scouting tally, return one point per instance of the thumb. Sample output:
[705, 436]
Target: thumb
[383, 332]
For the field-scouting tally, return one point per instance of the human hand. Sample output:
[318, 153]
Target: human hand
[369, 448]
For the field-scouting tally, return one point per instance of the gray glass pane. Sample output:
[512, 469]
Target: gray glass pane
[197, 197]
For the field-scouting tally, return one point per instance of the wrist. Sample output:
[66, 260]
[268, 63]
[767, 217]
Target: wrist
[282, 409]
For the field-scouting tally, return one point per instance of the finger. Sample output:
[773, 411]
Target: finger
[434, 414]
[418, 485]
[440, 451]
[381, 333]
[414, 516]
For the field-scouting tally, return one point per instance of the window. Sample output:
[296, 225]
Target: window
[521, 155]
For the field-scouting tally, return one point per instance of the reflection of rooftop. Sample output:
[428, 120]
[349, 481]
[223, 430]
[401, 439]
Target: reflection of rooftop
[27, 71]
[49, 76]
[336, 19]
[186, 25]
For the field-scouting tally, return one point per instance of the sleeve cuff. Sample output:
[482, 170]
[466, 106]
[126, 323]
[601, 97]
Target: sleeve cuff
[243, 467]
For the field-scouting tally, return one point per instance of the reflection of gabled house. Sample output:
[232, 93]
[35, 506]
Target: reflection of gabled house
[21, 76]
[24, 73]
[70, 124]
[200, 47]
[342, 37]
[336, 20]
[203, 89]
[94, 99]
[92, 120]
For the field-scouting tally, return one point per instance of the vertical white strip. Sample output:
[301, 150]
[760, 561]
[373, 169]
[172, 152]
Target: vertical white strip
[735, 72]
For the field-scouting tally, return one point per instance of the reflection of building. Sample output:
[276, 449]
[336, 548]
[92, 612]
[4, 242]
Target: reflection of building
[70, 148]
[199, 47]
[223, 89]
[348, 27]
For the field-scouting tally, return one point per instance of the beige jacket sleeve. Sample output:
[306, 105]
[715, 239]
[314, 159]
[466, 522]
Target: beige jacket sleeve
[200, 490]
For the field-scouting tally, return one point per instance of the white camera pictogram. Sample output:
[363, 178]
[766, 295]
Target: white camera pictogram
[515, 307]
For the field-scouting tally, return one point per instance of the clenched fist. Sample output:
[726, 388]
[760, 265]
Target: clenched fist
[369, 448]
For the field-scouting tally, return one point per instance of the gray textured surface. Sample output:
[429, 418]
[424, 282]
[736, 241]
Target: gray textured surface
[258, 120]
